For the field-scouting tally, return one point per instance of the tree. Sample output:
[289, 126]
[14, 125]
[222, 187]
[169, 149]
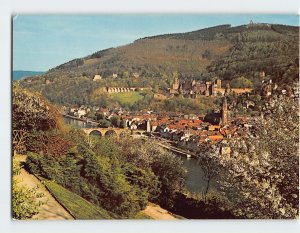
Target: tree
[122, 124]
[104, 123]
[171, 175]
[115, 120]
[209, 165]
[53, 143]
[241, 82]
[32, 112]
[262, 172]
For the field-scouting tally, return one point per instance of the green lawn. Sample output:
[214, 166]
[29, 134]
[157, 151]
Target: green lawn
[76, 205]
[127, 97]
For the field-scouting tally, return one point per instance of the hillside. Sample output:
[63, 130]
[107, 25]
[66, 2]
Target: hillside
[222, 51]
[102, 179]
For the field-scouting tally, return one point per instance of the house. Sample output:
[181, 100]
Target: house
[154, 126]
[267, 88]
[72, 110]
[176, 136]
[240, 91]
[218, 137]
[200, 88]
[81, 112]
[97, 77]
[136, 75]
[262, 74]
[133, 126]
[225, 150]
[213, 127]
[159, 96]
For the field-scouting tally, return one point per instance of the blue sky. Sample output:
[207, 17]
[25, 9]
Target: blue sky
[41, 42]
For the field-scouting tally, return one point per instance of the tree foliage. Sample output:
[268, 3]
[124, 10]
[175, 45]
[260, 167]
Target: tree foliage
[112, 173]
[32, 112]
[241, 82]
[262, 179]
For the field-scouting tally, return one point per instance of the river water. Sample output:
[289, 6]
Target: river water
[194, 181]
[77, 123]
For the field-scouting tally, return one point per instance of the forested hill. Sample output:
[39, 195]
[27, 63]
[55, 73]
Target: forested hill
[222, 51]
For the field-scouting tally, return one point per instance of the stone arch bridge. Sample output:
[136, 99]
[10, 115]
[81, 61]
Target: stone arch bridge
[100, 132]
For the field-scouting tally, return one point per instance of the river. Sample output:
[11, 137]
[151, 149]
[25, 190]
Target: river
[194, 181]
[77, 123]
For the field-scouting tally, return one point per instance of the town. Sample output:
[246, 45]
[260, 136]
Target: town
[184, 131]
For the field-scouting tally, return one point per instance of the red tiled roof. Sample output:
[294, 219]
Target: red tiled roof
[215, 137]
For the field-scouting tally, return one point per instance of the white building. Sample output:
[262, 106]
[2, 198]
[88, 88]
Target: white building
[97, 77]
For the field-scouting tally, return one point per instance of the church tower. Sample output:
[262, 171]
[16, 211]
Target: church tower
[224, 112]
[148, 128]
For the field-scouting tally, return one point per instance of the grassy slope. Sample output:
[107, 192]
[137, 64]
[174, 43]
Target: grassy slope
[127, 97]
[76, 205]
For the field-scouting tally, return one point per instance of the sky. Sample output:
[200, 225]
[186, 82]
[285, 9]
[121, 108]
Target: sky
[41, 42]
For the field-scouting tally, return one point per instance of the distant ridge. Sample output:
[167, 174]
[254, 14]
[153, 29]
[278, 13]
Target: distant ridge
[20, 74]
[256, 51]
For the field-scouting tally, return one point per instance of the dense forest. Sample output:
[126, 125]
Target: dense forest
[252, 52]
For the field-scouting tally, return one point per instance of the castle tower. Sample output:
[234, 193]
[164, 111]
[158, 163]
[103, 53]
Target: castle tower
[207, 91]
[219, 83]
[213, 90]
[193, 82]
[227, 89]
[176, 84]
[224, 112]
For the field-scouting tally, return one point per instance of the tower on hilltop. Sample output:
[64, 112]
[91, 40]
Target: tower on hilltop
[224, 112]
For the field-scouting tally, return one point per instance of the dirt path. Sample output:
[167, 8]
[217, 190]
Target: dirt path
[51, 210]
[158, 213]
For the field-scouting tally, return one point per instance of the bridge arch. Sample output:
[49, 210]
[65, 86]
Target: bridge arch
[124, 134]
[120, 132]
[96, 133]
[110, 133]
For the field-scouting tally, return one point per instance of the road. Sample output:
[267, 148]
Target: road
[158, 213]
[51, 210]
